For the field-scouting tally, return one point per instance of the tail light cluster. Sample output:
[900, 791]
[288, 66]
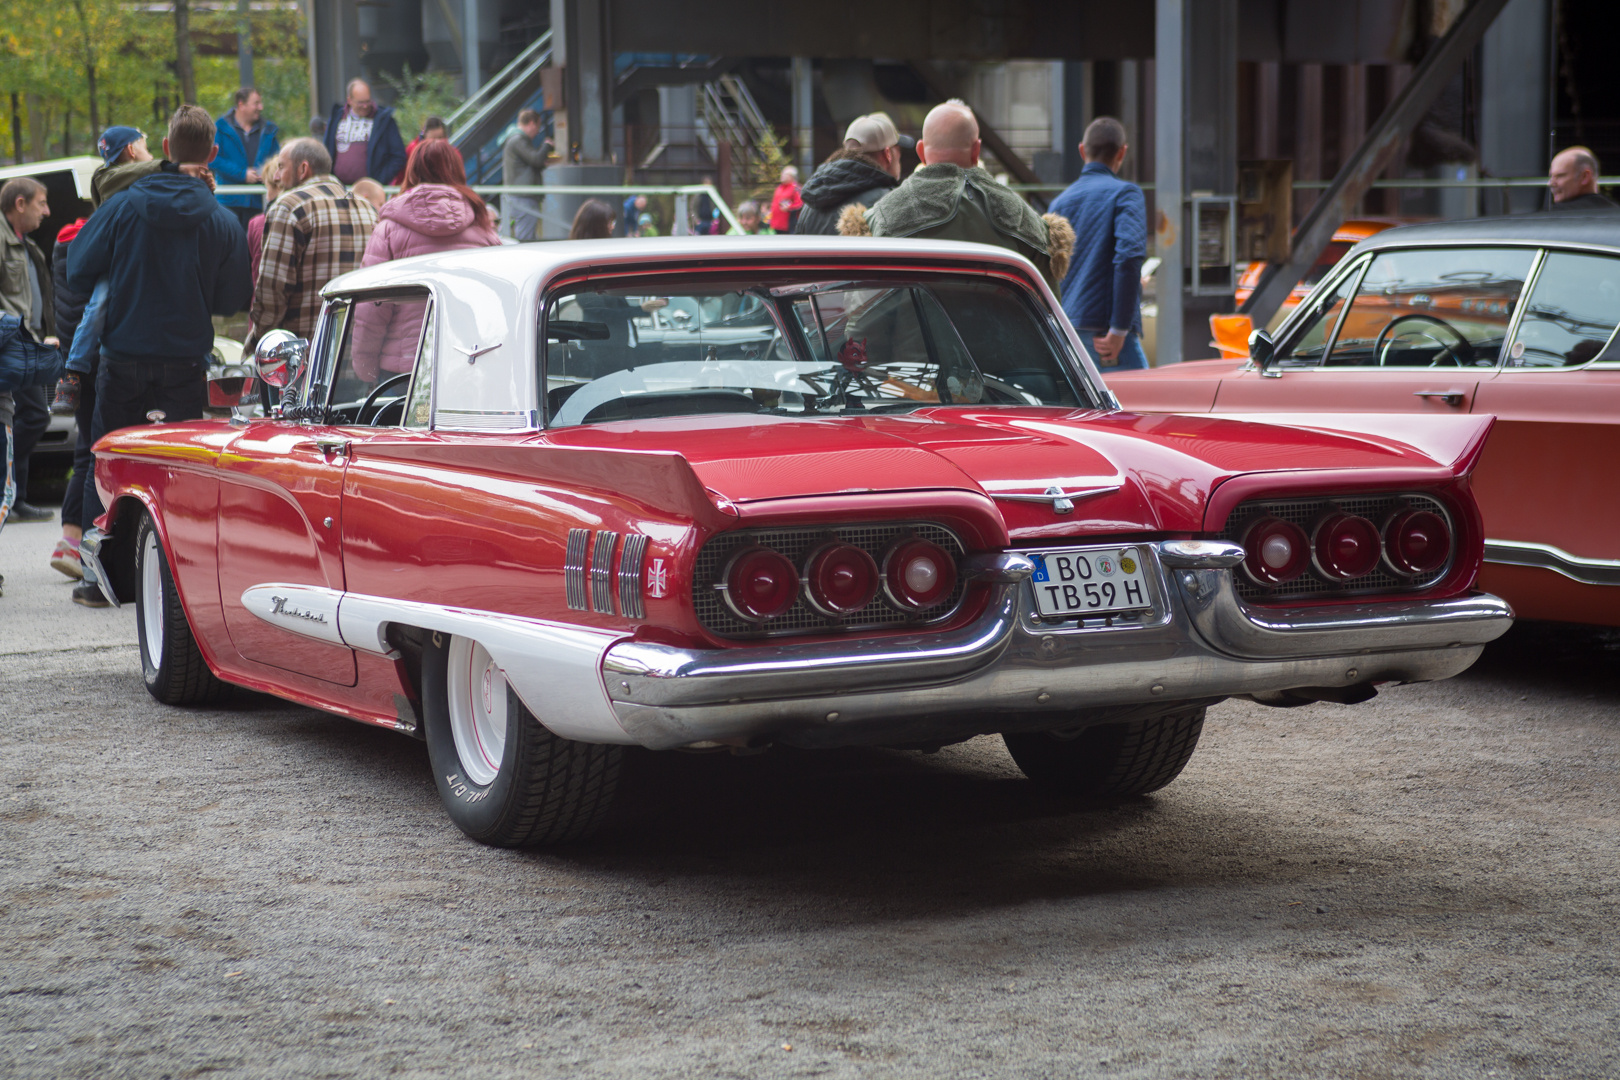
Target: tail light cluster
[805, 581]
[1369, 543]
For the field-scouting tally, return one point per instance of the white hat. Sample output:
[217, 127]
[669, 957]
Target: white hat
[874, 134]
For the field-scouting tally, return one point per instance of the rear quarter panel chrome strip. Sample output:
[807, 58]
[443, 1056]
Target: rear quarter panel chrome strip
[574, 568]
[555, 668]
[1559, 561]
[631, 558]
[602, 572]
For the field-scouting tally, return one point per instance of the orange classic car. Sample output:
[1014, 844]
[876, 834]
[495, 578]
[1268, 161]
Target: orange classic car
[1507, 317]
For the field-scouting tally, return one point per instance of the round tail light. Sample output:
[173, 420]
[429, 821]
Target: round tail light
[840, 579]
[1346, 546]
[760, 584]
[1277, 551]
[917, 575]
[1417, 542]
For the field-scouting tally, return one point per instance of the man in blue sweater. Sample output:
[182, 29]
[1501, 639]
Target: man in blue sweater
[245, 140]
[1102, 292]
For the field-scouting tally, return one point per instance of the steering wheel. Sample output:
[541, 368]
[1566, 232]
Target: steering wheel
[377, 392]
[1462, 354]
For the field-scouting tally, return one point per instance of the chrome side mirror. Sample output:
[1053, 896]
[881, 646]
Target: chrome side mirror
[279, 357]
[1261, 350]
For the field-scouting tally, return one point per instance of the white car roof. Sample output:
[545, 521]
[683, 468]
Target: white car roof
[531, 265]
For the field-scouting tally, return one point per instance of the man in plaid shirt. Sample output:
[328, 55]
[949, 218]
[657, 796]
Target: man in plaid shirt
[314, 232]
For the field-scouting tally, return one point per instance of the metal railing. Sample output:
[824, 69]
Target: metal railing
[681, 192]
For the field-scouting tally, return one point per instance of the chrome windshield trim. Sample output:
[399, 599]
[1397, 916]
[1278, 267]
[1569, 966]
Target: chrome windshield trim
[1559, 561]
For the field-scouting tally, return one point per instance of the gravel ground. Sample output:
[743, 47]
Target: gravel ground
[1422, 885]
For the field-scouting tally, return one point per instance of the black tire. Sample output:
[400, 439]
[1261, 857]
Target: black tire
[1110, 761]
[172, 665]
[539, 789]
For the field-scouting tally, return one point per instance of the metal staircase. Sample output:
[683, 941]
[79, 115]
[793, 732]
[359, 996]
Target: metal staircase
[734, 117]
[477, 125]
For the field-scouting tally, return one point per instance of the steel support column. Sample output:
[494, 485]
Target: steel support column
[1168, 95]
[472, 67]
[1382, 142]
[580, 44]
[804, 113]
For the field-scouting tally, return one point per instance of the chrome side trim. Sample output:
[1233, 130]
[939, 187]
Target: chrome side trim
[1547, 557]
[574, 568]
[556, 668]
[602, 572]
[631, 605]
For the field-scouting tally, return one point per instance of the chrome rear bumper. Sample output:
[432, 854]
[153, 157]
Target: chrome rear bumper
[1201, 641]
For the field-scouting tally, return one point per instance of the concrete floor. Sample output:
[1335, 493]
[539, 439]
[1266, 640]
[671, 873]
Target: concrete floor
[1420, 886]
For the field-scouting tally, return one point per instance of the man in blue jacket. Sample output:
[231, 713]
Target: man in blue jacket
[363, 139]
[1102, 292]
[245, 141]
[174, 257]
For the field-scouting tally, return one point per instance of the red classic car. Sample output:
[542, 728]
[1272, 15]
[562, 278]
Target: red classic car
[539, 504]
[1508, 317]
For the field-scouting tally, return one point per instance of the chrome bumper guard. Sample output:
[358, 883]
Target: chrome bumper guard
[1204, 642]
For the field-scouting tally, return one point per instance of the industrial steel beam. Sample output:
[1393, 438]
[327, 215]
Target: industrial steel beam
[1375, 152]
[940, 87]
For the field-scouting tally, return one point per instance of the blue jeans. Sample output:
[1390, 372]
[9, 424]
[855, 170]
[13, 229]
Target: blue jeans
[1130, 355]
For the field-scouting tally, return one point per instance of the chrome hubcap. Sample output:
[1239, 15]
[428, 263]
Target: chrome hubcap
[152, 599]
[477, 691]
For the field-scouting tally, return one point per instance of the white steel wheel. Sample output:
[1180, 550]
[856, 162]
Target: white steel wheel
[476, 694]
[504, 778]
[171, 663]
[151, 598]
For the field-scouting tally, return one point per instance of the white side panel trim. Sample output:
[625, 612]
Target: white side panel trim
[555, 668]
[298, 609]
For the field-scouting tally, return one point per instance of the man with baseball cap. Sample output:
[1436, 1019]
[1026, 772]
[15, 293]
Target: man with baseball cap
[862, 172]
[952, 198]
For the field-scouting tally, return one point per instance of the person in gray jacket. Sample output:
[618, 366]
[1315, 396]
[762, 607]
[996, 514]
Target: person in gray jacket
[522, 162]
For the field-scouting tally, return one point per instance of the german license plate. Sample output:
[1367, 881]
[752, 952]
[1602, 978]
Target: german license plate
[1089, 581]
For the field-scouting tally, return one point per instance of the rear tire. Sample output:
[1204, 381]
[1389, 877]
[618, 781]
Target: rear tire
[1110, 761]
[505, 780]
[171, 663]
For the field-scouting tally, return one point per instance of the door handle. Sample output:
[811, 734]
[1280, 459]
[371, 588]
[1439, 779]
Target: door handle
[1450, 397]
[333, 447]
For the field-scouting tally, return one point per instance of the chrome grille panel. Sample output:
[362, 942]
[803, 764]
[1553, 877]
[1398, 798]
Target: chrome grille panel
[1304, 513]
[630, 576]
[574, 568]
[801, 618]
[602, 572]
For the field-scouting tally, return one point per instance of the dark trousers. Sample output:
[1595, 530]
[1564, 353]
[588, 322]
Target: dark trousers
[83, 477]
[127, 390]
[33, 417]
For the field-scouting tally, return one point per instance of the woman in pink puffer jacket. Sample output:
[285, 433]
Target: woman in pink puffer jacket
[434, 211]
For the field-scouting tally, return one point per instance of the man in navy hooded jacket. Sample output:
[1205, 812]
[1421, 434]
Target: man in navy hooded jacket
[174, 257]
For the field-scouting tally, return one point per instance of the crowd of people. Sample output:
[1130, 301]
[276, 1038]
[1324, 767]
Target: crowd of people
[120, 319]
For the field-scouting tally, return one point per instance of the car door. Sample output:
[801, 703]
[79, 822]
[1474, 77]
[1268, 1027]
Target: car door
[281, 484]
[1546, 483]
[1403, 330]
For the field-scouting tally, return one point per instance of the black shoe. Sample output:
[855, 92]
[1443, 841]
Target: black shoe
[28, 513]
[89, 595]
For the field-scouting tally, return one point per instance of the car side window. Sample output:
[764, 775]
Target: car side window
[1308, 346]
[1436, 307]
[1571, 314]
[383, 344]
